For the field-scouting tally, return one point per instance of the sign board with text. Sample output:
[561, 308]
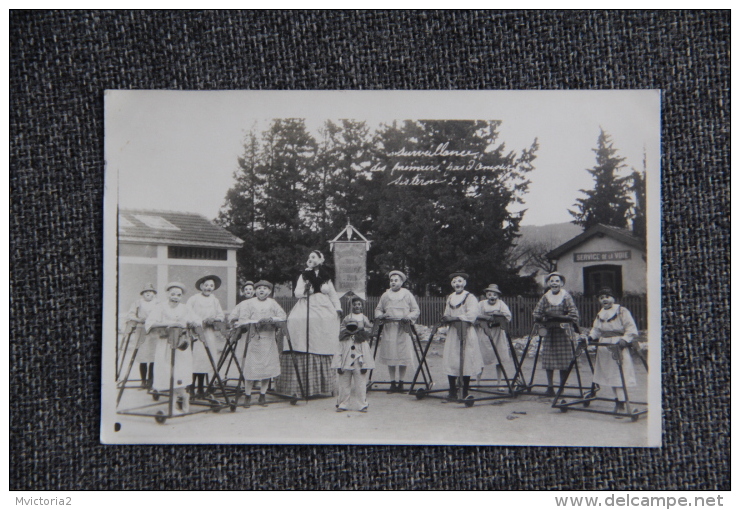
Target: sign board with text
[350, 263]
[602, 256]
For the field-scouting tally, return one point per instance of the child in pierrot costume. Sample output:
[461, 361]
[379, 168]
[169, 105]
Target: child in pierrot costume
[352, 361]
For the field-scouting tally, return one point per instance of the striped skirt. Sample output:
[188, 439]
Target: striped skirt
[321, 380]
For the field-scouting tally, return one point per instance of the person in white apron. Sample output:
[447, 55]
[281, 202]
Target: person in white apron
[614, 325]
[396, 348]
[172, 313]
[492, 307]
[262, 361]
[139, 311]
[461, 306]
[206, 307]
[313, 325]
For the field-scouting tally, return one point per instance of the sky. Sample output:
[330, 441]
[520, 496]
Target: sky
[178, 150]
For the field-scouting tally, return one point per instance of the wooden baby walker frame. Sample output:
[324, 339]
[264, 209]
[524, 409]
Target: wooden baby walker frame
[549, 325]
[422, 393]
[419, 352]
[136, 329]
[173, 336]
[583, 404]
[508, 388]
[230, 355]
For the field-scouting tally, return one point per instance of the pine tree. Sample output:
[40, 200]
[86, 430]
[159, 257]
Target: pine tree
[293, 194]
[289, 152]
[463, 222]
[238, 214]
[609, 202]
[639, 211]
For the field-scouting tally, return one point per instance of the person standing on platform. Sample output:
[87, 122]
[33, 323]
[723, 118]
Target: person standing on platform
[557, 350]
[614, 325]
[172, 313]
[208, 309]
[396, 348]
[461, 306]
[492, 307]
[352, 361]
[139, 311]
[313, 326]
[262, 362]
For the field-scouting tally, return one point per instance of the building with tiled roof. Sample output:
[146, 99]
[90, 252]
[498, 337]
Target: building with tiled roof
[162, 246]
[602, 256]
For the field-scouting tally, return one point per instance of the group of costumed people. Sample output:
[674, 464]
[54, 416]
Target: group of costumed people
[613, 324]
[193, 363]
[331, 355]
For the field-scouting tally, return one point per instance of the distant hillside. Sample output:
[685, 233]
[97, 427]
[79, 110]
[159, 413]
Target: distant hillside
[536, 241]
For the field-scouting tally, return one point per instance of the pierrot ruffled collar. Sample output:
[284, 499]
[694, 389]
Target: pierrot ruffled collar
[456, 300]
[607, 315]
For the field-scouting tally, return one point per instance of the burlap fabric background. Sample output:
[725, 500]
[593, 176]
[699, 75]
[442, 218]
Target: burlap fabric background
[60, 63]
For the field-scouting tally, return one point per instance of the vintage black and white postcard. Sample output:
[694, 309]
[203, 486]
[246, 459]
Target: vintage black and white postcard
[385, 267]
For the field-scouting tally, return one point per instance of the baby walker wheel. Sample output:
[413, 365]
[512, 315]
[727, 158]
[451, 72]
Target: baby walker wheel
[420, 394]
[469, 401]
[155, 396]
[563, 409]
[635, 415]
[294, 401]
[160, 418]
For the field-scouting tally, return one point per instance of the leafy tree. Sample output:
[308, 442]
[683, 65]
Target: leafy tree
[289, 161]
[293, 193]
[639, 211]
[342, 178]
[461, 222]
[609, 202]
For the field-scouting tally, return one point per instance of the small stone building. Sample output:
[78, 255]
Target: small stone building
[602, 256]
[162, 246]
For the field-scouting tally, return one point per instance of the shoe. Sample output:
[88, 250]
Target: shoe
[247, 401]
[340, 410]
[451, 397]
[394, 387]
[262, 400]
[400, 387]
[364, 409]
[619, 406]
[550, 392]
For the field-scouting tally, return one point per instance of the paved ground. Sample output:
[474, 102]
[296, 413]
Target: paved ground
[392, 419]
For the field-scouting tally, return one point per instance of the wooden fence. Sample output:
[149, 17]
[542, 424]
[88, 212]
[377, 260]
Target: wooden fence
[521, 310]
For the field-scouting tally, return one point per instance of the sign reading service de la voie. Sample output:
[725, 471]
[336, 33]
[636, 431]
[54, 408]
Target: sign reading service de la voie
[602, 256]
